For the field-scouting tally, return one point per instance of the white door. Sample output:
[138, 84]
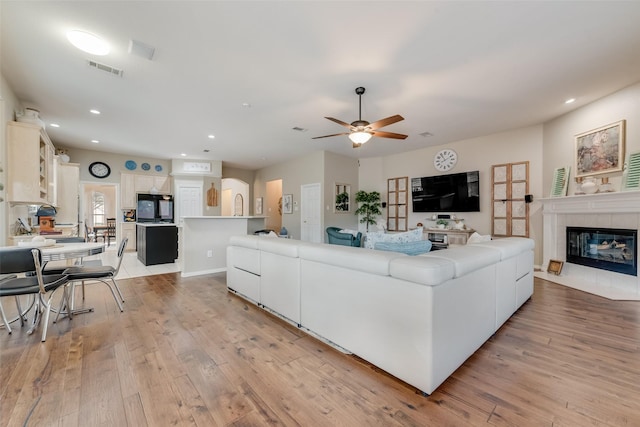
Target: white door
[189, 202]
[310, 213]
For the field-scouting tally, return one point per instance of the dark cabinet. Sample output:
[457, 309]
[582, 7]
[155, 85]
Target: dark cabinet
[157, 244]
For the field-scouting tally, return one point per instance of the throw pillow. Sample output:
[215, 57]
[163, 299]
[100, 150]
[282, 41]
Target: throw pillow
[409, 248]
[379, 236]
[478, 238]
[354, 233]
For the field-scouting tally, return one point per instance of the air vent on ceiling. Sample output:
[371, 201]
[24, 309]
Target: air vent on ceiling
[106, 68]
[426, 134]
[299, 129]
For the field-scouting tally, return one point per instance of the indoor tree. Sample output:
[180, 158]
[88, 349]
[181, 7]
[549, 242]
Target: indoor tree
[369, 207]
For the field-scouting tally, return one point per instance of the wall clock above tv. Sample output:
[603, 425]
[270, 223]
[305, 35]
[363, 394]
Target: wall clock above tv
[445, 160]
[99, 169]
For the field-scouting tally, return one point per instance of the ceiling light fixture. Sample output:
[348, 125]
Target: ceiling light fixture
[54, 125]
[183, 154]
[570, 100]
[95, 141]
[96, 112]
[88, 42]
[360, 137]
[211, 136]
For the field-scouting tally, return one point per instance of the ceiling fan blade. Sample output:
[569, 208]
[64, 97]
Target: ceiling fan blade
[385, 122]
[384, 134]
[327, 136]
[340, 122]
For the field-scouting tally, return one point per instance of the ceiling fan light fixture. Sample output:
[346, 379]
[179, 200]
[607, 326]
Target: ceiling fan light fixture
[360, 137]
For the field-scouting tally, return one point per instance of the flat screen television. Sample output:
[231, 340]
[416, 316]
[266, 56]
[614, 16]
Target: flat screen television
[458, 192]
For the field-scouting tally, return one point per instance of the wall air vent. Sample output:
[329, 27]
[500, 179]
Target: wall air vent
[106, 68]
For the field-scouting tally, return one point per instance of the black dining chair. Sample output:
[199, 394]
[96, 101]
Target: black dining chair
[103, 273]
[17, 260]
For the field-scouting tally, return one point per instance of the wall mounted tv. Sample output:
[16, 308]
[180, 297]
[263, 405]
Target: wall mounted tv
[458, 192]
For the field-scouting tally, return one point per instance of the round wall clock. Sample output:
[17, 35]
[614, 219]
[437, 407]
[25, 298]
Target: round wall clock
[445, 160]
[99, 169]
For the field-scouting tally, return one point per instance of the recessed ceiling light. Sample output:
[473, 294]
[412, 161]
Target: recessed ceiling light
[88, 42]
[570, 100]
[183, 154]
[96, 112]
[54, 125]
[95, 141]
[246, 105]
[211, 136]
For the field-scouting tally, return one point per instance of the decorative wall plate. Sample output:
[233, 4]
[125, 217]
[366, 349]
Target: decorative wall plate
[145, 166]
[131, 165]
[158, 168]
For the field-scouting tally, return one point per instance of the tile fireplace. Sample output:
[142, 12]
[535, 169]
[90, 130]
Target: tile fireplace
[588, 232]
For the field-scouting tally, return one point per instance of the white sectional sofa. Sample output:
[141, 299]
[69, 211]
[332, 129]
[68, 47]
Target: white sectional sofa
[417, 317]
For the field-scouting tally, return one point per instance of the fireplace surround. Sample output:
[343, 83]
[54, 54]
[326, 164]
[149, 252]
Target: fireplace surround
[616, 210]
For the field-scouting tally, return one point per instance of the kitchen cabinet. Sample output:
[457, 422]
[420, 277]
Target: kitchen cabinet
[128, 230]
[132, 184]
[157, 243]
[30, 159]
[127, 191]
[67, 185]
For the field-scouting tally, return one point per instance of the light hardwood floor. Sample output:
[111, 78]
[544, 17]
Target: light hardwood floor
[186, 352]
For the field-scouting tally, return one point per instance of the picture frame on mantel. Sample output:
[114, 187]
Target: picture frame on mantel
[600, 150]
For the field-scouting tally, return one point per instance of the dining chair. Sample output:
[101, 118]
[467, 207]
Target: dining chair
[110, 232]
[103, 273]
[89, 235]
[18, 260]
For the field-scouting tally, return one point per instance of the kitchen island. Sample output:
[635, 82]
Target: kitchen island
[157, 242]
[204, 241]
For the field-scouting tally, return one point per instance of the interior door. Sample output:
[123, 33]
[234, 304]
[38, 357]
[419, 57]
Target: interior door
[189, 202]
[311, 213]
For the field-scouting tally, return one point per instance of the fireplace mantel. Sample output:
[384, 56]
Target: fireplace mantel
[611, 210]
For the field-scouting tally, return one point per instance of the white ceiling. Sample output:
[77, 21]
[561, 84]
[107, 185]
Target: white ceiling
[454, 69]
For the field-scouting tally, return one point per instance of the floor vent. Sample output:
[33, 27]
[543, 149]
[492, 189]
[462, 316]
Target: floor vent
[105, 68]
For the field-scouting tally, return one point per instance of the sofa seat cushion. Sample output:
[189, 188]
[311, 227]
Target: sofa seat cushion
[424, 270]
[409, 248]
[284, 247]
[468, 259]
[380, 236]
[250, 242]
[368, 261]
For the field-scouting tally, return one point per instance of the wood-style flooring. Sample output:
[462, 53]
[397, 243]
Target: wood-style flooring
[185, 352]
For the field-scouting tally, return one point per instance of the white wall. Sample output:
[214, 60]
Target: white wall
[473, 154]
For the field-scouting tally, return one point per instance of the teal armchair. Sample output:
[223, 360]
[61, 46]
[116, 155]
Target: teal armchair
[345, 239]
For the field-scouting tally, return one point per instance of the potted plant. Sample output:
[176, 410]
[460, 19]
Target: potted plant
[442, 223]
[369, 207]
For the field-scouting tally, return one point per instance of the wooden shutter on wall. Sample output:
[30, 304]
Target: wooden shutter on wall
[397, 197]
[510, 211]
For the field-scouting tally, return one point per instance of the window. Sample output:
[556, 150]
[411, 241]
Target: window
[97, 209]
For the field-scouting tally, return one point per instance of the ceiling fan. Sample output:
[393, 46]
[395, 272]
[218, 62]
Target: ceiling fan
[361, 131]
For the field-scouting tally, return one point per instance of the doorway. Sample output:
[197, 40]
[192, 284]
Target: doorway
[231, 204]
[98, 201]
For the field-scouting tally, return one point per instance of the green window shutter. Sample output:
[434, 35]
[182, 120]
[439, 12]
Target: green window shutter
[560, 182]
[632, 179]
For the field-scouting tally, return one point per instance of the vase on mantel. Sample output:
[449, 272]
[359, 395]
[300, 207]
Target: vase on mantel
[578, 186]
[589, 185]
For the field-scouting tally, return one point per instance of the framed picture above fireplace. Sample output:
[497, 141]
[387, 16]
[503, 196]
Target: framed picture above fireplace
[600, 150]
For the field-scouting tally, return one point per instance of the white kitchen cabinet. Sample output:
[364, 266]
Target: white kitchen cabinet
[67, 185]
[127, 191]
[30, 157]
[128, 230]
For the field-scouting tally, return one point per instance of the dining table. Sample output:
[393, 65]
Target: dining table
[62, 251]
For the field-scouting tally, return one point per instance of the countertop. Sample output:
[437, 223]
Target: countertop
[156, 224]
